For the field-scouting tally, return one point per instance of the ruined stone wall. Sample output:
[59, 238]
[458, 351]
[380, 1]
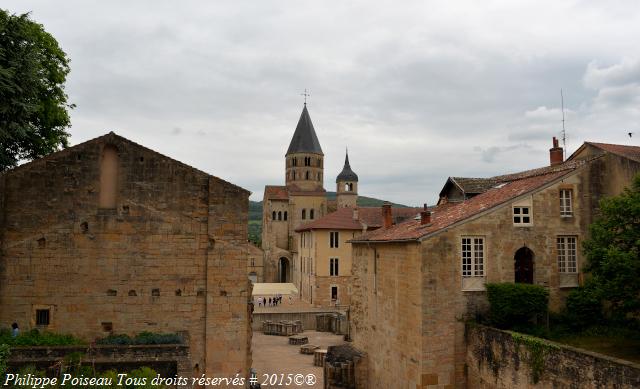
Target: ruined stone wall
[386, 312]
[170, 256]
[497, 359]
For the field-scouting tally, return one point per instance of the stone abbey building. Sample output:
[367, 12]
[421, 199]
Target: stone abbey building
[414, 283]
[111, 237]
[302, 199]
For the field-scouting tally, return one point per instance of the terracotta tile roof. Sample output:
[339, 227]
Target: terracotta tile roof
[631, 152]
[471, 185]
[509, 186]
[369, 216]
[273, 192]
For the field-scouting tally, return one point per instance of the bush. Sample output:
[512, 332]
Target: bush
[584, 307]
[141, 338]
[37, 338]
[516, 304]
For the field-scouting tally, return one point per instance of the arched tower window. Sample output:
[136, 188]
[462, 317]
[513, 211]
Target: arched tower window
[294, 175]
[285, 215]
[311, 214]
[273, 216]
[279, 215]
[350, 187]
[307, 175]
[304, 214]
[108, 177]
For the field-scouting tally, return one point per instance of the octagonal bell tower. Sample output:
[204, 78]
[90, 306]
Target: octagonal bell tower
[347, 186]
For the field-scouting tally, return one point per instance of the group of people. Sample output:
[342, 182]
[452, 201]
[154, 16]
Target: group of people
[271, 301]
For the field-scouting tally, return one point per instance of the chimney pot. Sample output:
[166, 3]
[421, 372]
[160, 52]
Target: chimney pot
[556, 153]
[386, 215]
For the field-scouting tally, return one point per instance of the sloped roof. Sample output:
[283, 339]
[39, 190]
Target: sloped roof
[370, 216]
[507, 188]
[112, 137]
[273, 192]
[631, 152]
[347, 174]
[304, 138]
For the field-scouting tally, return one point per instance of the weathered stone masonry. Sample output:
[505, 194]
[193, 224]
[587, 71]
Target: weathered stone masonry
[169, 256]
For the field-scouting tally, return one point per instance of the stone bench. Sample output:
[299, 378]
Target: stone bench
[308, 349]
[298, 339]
[319, 356]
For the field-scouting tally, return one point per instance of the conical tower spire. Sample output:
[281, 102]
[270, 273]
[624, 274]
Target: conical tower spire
[304, 138]
[347, 174]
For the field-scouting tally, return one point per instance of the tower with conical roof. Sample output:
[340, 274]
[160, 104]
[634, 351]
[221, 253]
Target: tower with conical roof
[347, 186]
[304, 158]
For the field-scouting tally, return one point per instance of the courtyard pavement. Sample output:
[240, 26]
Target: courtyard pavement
[274, 355]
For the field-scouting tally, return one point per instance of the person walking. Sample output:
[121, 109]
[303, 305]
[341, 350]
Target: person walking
[15, 331]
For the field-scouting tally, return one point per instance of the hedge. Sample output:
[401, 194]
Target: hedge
[516, 304]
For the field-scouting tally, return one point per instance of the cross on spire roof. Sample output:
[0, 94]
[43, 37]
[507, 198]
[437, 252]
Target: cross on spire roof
[305, 94]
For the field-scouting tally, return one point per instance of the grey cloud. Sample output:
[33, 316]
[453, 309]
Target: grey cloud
[411, 90]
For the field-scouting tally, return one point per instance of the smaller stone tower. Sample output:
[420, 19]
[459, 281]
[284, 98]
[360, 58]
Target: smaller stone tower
[347, 182]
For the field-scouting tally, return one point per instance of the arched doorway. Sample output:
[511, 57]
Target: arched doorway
[284, 274]
[523, 265]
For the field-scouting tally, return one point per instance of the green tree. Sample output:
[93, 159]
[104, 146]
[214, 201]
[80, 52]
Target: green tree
[613, 253]
[33, 103]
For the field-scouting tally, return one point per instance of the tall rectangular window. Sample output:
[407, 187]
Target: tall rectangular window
[567, 254]
[334, 293]
[566, 206]
[334, 239]
[473, 257]
[333, 267]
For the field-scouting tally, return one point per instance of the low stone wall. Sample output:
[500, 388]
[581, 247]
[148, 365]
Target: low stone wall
[308, 318]
[168, 360]
[501, 359]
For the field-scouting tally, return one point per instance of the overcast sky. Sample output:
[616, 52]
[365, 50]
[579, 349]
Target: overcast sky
[418, 90]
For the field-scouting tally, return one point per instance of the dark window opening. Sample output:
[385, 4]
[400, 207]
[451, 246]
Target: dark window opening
[107, 326]
[273, 215]
[285, 215]
[334, 293]
[42, 317]
[155, 292]
[311, 214]
[304, 214]
[178, 292]
[112, 292]
[280, 215]
[132, 293]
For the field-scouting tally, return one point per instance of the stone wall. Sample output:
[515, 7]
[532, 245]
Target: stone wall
[170, 256]
[497, 359]
[168, 360]
[386, 321]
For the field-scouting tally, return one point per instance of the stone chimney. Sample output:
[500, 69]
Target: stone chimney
[556, 154]
[355, 214]
[425, 216]
[387, 218]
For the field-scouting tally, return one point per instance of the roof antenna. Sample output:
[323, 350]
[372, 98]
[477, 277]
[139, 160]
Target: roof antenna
[564, 133]
[305, 94]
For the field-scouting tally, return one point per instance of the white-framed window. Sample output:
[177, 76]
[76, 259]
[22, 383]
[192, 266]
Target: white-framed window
[522, 215]
[473, 256]
[334, 292]
[566, 202]
[333, 267]
[334, 239]
[567, 254]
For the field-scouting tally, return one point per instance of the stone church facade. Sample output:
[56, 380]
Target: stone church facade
[415, 282]
[111, 237]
